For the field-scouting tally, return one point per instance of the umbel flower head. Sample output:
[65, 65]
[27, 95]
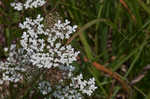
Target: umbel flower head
[28, 4]
[12, 69]
[46, 47]
[75, 88]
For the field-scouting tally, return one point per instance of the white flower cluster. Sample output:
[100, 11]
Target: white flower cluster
[28, 4]
[76, 87]
[60, 90]
[71, 91]
[17, 6]
[66, 93]
[86, 87]
[60, 27]
[10, 70]
[45, 46]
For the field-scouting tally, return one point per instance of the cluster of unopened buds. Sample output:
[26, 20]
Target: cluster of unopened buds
[44, 48]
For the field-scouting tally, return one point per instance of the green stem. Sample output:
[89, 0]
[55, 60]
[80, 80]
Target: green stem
[136, 58]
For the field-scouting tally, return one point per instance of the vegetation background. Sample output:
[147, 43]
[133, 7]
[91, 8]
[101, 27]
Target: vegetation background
[113, 36]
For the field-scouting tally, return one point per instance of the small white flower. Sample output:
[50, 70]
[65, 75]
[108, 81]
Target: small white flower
[44, 87]
[6, 49]
[17, 6]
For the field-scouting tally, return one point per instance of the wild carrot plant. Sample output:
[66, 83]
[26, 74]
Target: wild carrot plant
[43, 55]
[43, 49]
